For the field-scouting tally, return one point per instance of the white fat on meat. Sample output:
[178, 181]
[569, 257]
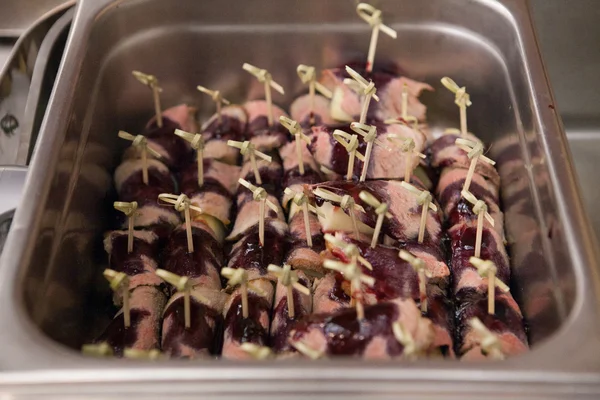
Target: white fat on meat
[300, 109]
[183, 115]
[149, 215]
[258, 108]
[213, 204]
[133, 152]
[220, 150]
[231, 111]
[131, 167]
[249, 215]
[145, 236]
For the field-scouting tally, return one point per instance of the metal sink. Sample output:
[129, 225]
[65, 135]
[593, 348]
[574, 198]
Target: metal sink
[568, 32]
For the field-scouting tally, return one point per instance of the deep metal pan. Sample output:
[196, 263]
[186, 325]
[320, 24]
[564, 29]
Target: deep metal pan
[51, 258]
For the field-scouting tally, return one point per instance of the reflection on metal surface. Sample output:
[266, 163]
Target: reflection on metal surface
[63, 220]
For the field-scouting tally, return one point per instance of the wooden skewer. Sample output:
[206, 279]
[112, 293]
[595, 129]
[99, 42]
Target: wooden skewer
[238, 276]
[407, 145]
[350, 143]
[489, 342]
[350, 250]
[405, 338]
[373, 17]
[197, 143]
[405, 102]
[462, 100]
[257, 352]
[347, 204]
[299, 136]
[308, 75]
[301, 200]
[487, 269]
[481, 209]
[421, 268]
[182, 284]
[263, 76]
[367, 89]
[217, 98]
[129, 210]
[369, 134]
[102, 349]
[182, 203]
[137, 354]
[141, 142]
[381, 209]
[119, 282]
[289, 279]
[424, 199]
[247, 148]
[305, 349]
[352, 273]
[152, 82]
[259, 194]
[475, 153]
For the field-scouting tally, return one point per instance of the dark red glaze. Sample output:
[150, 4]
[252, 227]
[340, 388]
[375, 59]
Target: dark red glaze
[452, 191]
[471, 303]
[208, 253]
[271, 177]
[134, 188]
[293, 177]
[167, 129]
[259, 126]
[347, 336]
[250, 255]
[177, 148]
[199, 336]
[189, 181]
[440, 144]
[229, 129]
[340, 290]
[119, 337]
[318, 242]
[279, 336]
[462, 248]
[131, 263]
[306, 123]
[249, 329]
[339, 155]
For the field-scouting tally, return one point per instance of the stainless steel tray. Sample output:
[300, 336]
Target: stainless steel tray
[52, 264]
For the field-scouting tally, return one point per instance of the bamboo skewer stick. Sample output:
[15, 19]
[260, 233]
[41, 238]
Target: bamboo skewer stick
[405, 338]
[369, 134]
[137, 354]
[305, 349]
[407, 146]
[259, 194]
[425, 200]
[263, 76]
[381, 209]
[197, 143]
[474, 151]
[489, 342]
[462, 100]
[182, 203]
[152, 82]
[247, 148]
[352, 273]
[217, 97]
[182, 284]
[421, 268]
[102, 349]
[347, 204]
[301, 200]
[308, 76]
[296, 130]
[129, 209]
[367, 89]
[239, 276]
[481, 210]
[257, 352]
[350, 250]
[119, 282]
[141, 142]
[350, 143]
[487, 269]
[289, 279]
[372, 16]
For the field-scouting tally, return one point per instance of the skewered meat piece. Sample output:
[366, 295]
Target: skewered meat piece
[404, 224]
[146, 307]
[346, 104]
[255, 328]
[507, 323]
[342, 334]
[249, 215]
[270, 175]
[234, 122]
[140, 265]
[300, 110]
[178, 117]
[203, 265]
[385, 163]
[291, 167]
[282, 323]
[216, 194]
[260, 134]
[130, 185]
[248, 254]
[445, 153]
[200, 339]
[456, 208]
